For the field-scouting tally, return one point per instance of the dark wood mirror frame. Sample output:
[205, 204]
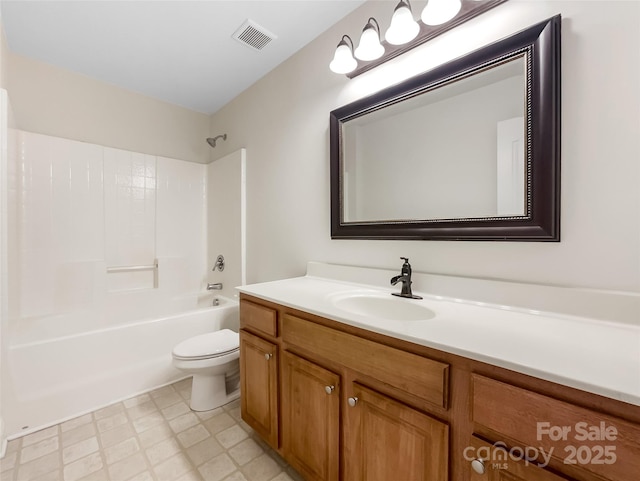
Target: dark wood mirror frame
[541, 222]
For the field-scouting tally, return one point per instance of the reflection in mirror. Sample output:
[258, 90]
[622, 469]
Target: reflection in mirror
[456, 151]
[467, 151]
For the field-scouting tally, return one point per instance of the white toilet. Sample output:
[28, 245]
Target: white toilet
[214, 361]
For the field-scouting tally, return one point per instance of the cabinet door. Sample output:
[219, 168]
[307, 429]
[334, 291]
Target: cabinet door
[387, 440]
[490, 463]
[310, 418]
[259, 386]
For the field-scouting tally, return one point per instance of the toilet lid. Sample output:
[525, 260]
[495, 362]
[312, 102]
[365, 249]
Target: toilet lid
[211, 344]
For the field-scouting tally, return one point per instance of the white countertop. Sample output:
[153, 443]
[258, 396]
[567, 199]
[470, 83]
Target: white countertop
[601, 357]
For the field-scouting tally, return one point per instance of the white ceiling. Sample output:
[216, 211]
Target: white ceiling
[178, 51]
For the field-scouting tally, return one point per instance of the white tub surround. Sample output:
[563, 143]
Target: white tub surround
[595, 353]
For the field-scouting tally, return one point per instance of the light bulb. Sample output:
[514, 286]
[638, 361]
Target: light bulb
[343, 61]
[403, 27]
[370, 47]
[438, 12]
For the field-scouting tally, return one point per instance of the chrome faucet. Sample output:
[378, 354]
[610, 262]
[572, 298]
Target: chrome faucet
[405, 278]
[214, 287]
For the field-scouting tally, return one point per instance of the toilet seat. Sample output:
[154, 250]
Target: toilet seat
[208, 346]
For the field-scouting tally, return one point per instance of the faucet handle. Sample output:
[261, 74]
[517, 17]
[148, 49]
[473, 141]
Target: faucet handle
[406, 267]
[219, 264]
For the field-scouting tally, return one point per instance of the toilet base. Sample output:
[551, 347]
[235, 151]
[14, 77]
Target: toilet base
[209, 392]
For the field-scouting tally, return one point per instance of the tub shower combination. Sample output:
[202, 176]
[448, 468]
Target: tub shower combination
[106, 273]
[59, 377]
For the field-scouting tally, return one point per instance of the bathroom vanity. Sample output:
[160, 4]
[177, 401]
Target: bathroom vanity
[344, 394]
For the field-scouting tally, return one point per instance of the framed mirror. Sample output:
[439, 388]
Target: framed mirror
[467, 151]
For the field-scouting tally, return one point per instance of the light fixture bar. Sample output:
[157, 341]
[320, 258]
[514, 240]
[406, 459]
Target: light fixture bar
[468, 10]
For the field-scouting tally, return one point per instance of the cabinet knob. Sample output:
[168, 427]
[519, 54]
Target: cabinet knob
[268, 356]
[478, 466]
[352, 401]
[329, 389]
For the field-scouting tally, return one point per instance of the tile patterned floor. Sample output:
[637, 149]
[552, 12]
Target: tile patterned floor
[151, 437]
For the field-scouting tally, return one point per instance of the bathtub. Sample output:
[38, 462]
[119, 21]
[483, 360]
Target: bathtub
[55, 378]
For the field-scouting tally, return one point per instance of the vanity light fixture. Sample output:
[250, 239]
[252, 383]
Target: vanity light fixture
[404, 33]
[370, 47]
[403, 26]
[438, 12]
[343, 61]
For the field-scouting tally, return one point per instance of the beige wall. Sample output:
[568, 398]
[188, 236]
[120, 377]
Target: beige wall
[283, 122]
[53, 101]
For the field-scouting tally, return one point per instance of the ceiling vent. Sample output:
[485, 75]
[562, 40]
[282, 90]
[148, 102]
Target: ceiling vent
[253, 35]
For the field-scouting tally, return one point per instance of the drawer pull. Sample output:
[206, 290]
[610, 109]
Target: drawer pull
[329, 389]
[478, 466]
[352, 401]
[268, 356]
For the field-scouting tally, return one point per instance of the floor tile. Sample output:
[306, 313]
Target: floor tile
[154, 435]
[140, 410]
[162, 451]
[219, 423]
[80, 450]
[113, 421]
[168, 400]
[39, 436]
[204, 451]
[172, 468]
[38, 467]
[236, 476]
[262, 468]
[231, 436]
[39, 449]
[147, 422]
[116, 435]
[151, 437]
[217, 468]
[122, 450]
[127, 468]
[75, 422]
[83, 467]
[175, 410]
[245, 451]
[183, 422]
[78, 434]
[190, 476]
[108, 411]
[193, 435]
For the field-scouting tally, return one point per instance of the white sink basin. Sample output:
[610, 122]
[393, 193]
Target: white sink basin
[383, 306]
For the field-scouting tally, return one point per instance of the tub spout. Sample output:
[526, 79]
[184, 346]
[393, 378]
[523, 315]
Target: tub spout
[214, 287]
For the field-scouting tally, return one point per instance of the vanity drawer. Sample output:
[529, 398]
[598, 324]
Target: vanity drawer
[416, 375]
[259, 318]
[597, 442]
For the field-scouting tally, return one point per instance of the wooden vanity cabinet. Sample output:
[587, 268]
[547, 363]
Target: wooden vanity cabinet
[385, 439]
[259, 386]
[341, 403]
[259, 390]
[583, 442]
[494, 464]
[310, 410]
